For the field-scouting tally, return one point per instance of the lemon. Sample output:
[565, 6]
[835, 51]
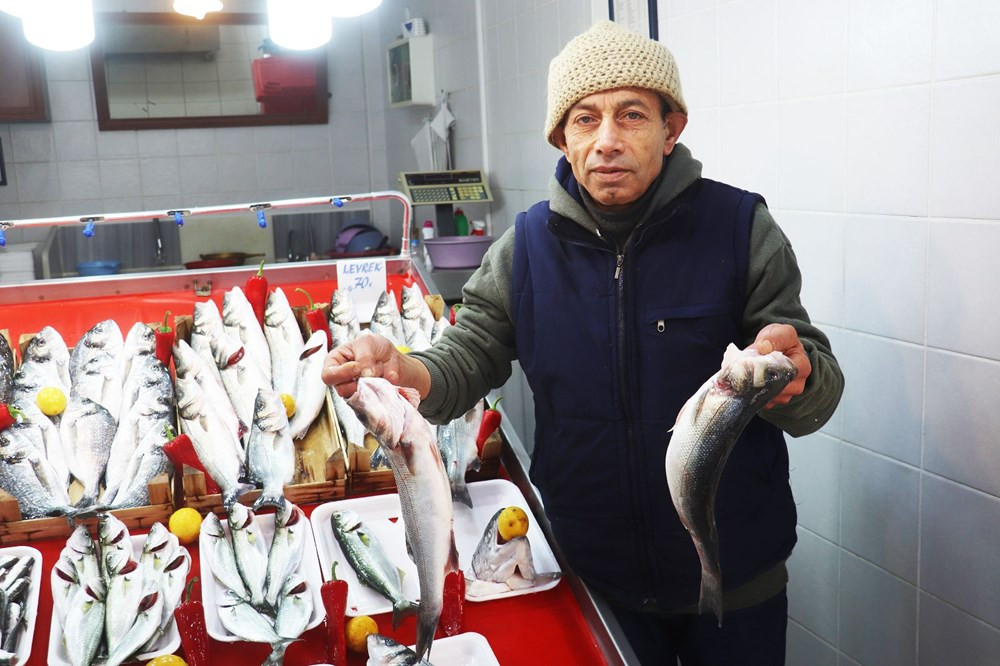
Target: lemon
[357, 631]
[512, 523]
[51, 401]
[289, 403]
[403, 349]
[166, 660]
[185, 524]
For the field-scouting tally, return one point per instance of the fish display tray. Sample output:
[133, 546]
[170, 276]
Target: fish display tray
[464, 649]
[14, 529]
[363, 480]
[168, 643]
[381, 514]
[34, 591]
[211, 589]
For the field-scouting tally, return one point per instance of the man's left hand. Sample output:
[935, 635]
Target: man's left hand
[784, 338]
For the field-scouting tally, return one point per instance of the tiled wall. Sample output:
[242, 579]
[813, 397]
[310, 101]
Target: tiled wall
[871, 128]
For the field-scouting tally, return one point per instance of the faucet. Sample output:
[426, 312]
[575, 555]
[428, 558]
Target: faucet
[292, 254]
[160, 257]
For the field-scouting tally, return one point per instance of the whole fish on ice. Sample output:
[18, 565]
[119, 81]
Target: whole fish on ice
[284, 340]
[95, 366]
[390, 413]
[707, 427]
[270, 450]
[310, 391]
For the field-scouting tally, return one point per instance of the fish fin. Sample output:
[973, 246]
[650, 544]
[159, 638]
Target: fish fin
[453, 564]
[402, 610]
[460, 493]
[710, 598]
[277, 500]
[476, 465]
[410, 394]
[402, 574]
[235, 493]
[277, 655]
[378, 459]
[731, 354]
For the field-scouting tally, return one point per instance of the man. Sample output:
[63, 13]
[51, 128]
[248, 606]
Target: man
[618, 296]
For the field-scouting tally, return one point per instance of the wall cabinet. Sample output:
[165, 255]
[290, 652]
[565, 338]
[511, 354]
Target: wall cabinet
[21, 75]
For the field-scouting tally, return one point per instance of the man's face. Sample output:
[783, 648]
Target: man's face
[615, 142]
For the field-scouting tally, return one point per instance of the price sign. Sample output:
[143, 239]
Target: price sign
[364, 281]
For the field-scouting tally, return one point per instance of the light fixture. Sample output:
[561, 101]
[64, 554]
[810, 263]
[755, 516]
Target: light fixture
[349, 8]
[58, 25]
[197, 8]
[12, 7]
[299, 24]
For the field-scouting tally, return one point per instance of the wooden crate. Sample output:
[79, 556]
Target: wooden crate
[15, 530]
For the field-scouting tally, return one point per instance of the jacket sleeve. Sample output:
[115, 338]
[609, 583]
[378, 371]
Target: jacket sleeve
[773, 286]
[474, 355]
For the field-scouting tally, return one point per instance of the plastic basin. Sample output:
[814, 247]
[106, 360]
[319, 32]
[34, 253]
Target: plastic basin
[88, 268]
[457, 251]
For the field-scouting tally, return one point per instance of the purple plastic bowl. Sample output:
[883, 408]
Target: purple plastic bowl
[457, 251]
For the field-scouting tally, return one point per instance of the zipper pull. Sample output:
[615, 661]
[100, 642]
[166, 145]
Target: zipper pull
[618, 265]
[660, 326]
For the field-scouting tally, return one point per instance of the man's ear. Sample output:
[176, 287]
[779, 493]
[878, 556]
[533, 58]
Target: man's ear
[675, 123]
[559, 139]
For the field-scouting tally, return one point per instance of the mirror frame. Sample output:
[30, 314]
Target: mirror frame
[106, 123]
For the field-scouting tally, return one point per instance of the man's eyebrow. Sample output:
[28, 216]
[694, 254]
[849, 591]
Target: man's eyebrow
[629, 101]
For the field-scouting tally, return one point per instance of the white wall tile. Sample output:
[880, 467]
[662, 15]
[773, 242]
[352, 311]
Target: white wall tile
[888, 151]
[749, 139]
[701, 136]
[818, 242]
[112, 145]
[274, 139]
[889, 43]
[962, 421]
[962, 285]
[964, 140]
[196, 142]
[813, 579]
[31, 143]
[804, 648]
[950, 636]
[885, 297]
[237, 173]
[878, 416]
[157, 143]
[235, 140]
[878, 503]
[160, 176]
[527, 28]
[878, 613]
[67, 65]
[965, 42]
[79, 180]
[814, 472]
[834, 426]
[199, 174]
[120, 178]
[71, 100]
[812, 44]
[693, 40]
[275, 170]
[958, 557]
[547, 16]
[37, 181]
[811, 155]
[313, 171]
[681, 7]
[747, 65]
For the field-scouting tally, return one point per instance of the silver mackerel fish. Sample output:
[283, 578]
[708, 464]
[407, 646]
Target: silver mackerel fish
[707, 427]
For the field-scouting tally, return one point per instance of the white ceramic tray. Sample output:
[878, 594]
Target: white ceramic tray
[468, 649]
[381, 514]
[168, 643]
[34, 589]
[211, 589]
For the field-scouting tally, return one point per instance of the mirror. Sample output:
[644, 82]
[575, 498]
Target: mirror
[168, 71]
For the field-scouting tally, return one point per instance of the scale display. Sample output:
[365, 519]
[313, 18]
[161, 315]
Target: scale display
[429, 188]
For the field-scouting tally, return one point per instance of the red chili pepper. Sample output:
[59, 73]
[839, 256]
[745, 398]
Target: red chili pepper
[490, 422]
[453, 609]
[256, 292]
[334, 595]
[190, 618]
[316, 317]
[164, 341]
[9, 415]
[181, 451]
[454, 313]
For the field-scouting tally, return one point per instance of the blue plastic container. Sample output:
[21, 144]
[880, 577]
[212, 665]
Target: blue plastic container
[90, 268]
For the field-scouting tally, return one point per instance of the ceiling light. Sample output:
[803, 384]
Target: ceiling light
[299, 24]
[58, 25]
[197, 8]
[11, 7]
[348, 8]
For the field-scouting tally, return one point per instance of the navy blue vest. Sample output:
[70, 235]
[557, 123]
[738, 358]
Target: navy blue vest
[611, 361]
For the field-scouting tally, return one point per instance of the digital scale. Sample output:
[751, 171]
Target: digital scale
[444, 189]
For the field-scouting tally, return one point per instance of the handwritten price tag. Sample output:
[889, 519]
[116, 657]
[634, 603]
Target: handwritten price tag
[364, 281]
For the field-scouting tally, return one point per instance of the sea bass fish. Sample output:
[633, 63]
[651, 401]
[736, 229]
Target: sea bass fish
[192, 365]
[310, 391]
[87, 431]
[241, 322]
[285, 554]
[45, 363]
[207, 325]
[501, 567]
[344, 324]
[391, 415]
[139, 343]
[384, 651]
[6, 370]
[25, 474]
[457, 442]
[221, 558]
[369, 561]
[242, 376]
[270, 450]
[707, 427]
[250, 550]
[386, 320]
[284, 340]
[417, 319]
[95, 366]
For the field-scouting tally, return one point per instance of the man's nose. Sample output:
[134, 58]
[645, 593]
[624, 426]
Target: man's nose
[609, 136]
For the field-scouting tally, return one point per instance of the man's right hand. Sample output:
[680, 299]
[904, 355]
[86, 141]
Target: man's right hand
[372, 355]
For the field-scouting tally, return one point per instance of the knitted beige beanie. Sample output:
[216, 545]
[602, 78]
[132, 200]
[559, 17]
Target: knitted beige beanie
[606, 57]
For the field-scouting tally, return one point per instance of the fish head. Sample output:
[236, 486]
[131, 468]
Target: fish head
[288, 515]
[119, 562]
[157, 539]
[294, 586]
[234, 307]
[759, 377]
[226, 349]
[190, 399]
[385, 308]
[212, 526]
[341, 307]
[277, 309]
[105, 335]
[412, 301]
[385, 651]
[346, 520]
[380, 408]
[207, 317]
[110, 530]
[269, 413]
[46, 346]
[141, 339]
[240, 517]
[185, 358]
[80, 541]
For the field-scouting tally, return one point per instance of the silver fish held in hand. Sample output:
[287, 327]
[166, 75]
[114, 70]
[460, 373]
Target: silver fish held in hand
[707, 427]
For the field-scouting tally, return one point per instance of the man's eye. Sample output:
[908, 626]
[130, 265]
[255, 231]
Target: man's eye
[584, 120]
[633, 115]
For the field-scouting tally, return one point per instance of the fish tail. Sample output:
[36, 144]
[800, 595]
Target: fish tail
[233, 494]
[460, 493]
[402, 609]
[425, 636]
[270, 498]
[711, 594]
[277, 655]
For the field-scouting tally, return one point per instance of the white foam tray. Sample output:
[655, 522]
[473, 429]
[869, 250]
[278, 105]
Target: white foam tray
[168, 643]
[211, 590]
[468, 649]
[34, 589]
[381, 514]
